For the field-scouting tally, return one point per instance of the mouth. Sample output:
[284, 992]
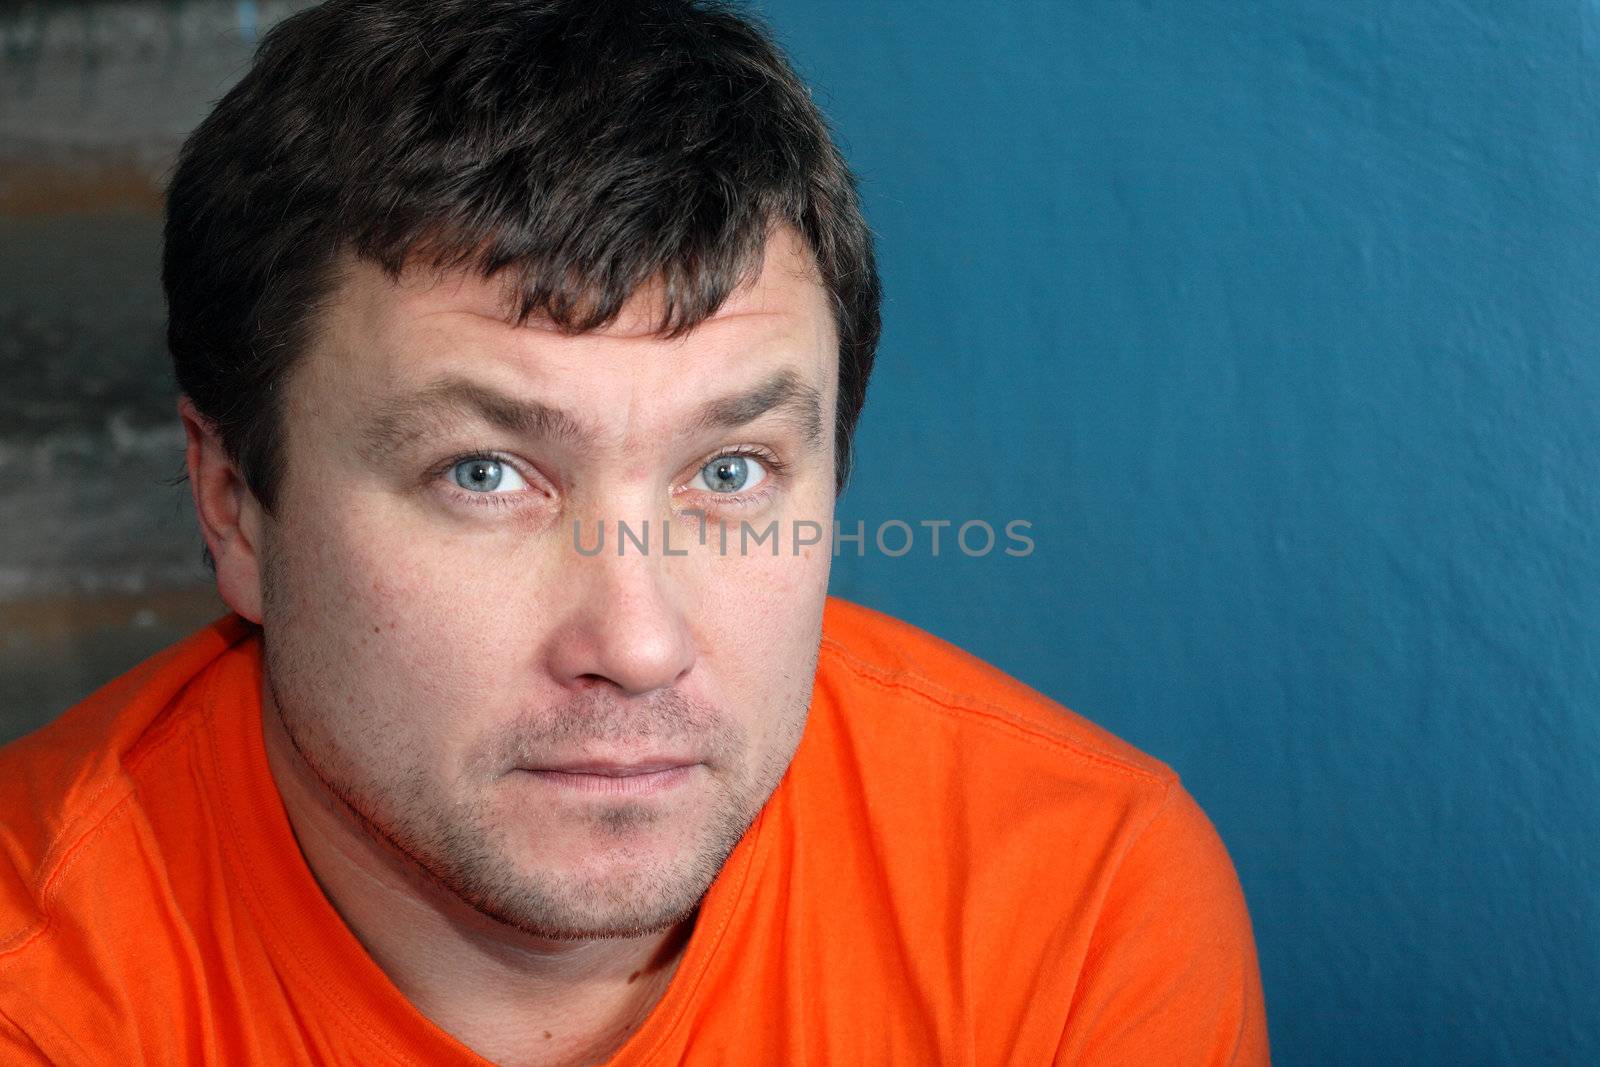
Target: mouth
[635, 778]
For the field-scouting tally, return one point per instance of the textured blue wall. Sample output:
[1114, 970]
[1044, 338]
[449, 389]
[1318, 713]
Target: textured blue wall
[1281, 322]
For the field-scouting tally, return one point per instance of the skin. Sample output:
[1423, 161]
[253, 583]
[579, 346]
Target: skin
[434, 652]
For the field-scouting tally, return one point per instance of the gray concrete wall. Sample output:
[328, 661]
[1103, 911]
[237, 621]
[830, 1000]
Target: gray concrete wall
[99, 557]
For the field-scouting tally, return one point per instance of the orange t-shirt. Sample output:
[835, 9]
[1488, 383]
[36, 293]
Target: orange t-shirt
[955, 870]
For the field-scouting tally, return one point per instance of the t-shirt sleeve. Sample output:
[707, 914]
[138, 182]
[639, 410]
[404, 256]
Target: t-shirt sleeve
[1171, 975]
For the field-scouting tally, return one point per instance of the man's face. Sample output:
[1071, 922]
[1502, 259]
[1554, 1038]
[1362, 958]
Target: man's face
[570, 741]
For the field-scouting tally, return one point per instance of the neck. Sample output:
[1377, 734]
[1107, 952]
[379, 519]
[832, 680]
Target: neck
[512, 998]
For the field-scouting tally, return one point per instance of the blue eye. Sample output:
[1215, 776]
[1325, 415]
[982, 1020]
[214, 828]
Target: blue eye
[730, 474]
[483, 474]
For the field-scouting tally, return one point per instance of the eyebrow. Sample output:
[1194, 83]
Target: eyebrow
[400, 421]
[782, 393]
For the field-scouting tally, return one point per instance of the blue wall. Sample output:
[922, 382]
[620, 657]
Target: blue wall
[1281, 322]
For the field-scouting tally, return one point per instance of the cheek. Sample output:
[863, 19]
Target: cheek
[353, 587]
[370, 563]
[760, 620]
[392, 630]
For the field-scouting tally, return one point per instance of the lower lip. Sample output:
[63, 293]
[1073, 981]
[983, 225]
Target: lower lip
[617, 785]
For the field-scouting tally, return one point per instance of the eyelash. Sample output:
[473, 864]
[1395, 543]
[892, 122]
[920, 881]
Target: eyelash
[776, 470]
[481, 500]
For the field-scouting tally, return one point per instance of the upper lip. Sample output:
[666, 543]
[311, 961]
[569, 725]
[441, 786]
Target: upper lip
[618, 768]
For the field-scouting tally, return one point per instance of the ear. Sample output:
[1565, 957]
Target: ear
[231, 519]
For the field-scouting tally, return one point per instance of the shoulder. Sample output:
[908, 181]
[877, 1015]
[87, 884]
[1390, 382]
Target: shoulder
[64, 786]
[1171, 960]
[1078, 869]
[919, 675]
[940, 755]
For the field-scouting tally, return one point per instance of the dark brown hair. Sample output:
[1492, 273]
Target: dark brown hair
[585, 147]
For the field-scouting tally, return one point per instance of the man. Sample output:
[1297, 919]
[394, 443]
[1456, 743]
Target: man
[449, 284]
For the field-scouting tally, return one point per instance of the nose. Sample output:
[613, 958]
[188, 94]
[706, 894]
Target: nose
[623, 625]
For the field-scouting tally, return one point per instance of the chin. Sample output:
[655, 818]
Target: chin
[617, 903]
[601, 884]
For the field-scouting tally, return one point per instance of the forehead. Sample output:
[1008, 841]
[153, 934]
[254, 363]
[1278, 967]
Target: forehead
[383, 334]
